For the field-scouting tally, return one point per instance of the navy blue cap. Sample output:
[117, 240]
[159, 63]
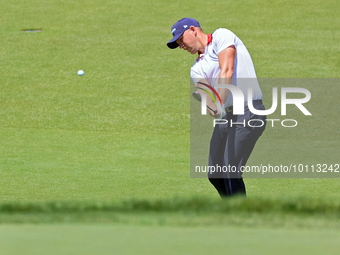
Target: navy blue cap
[179, 28]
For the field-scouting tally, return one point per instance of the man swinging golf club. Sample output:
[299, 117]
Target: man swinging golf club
[223, 59]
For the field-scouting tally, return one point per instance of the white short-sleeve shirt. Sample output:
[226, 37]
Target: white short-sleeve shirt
[207, 65]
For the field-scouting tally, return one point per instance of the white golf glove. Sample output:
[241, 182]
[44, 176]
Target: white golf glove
[221, 110]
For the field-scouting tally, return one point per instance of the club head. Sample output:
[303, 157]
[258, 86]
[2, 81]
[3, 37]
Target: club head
[197, 96]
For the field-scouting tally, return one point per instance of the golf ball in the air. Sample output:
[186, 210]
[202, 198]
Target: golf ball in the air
[81, 72]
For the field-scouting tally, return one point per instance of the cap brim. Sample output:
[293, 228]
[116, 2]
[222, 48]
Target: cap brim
[172, 44]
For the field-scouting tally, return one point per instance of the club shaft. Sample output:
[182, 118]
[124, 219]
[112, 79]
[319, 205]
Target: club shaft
[197, 96]
[212, 109]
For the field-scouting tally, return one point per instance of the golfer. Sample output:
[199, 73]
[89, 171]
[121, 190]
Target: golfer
[223, 59]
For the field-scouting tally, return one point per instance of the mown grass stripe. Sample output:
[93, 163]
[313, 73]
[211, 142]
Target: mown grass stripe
[196, 204]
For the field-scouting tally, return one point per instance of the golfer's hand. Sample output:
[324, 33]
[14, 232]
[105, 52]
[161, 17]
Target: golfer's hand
[220, 112]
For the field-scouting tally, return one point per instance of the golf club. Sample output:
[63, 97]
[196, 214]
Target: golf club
[197, 96]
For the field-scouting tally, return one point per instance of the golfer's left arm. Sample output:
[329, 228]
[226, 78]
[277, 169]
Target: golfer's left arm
[226, 59]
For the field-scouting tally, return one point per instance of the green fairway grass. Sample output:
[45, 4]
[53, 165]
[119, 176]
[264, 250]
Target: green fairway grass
[121, 132]
[122, 129]
[100, 239]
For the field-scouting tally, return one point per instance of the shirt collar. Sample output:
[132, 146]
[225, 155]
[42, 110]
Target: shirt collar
[209, 41]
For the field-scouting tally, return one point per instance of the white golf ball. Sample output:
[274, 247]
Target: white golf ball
[81, 72]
